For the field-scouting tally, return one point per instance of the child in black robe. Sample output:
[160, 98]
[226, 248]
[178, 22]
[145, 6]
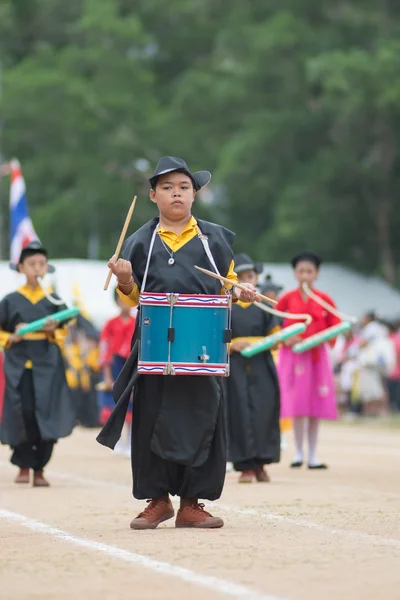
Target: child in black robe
[37, 407]
[253, 388]
[178, 433]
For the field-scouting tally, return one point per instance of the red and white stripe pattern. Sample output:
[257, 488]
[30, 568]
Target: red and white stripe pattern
[147, 298]
[21, 228]
[154, 368]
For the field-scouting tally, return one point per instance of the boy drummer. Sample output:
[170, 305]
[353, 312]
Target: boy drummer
[178, 435]
[38, 408]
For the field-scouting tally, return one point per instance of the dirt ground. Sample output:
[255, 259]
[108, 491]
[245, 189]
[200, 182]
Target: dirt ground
[306, 535]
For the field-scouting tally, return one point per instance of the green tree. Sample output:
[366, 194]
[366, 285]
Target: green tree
[76, 116]
[294, 106]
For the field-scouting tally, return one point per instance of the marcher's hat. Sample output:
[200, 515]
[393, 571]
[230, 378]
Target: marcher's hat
[168, 164]
[269, 286]
[30, 249]
[243, 263]
[307, 257]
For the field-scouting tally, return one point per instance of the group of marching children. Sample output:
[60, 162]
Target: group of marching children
[179, 445]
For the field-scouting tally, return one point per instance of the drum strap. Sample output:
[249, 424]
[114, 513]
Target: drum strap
[153, 239]
[204, 241]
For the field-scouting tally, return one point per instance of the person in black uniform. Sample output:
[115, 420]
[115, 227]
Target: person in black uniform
[252, 388]
[178, 423]
[38, 408]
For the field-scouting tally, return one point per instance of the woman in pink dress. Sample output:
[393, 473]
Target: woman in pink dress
[306, 379]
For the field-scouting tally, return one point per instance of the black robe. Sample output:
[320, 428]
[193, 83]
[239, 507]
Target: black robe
[178, 423]
[54, 410]
[253, 394]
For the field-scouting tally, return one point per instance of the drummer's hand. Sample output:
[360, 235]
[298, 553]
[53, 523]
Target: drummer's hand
[18, 327]
[14, 337]
[239, 345]
[50, 326]
[295, 339]
[250, 295]
[121, 268]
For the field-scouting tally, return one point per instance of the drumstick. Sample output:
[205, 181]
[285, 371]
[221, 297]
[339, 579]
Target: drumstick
[121, 239]
[238, 285]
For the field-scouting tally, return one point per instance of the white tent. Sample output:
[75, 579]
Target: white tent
[354, 293]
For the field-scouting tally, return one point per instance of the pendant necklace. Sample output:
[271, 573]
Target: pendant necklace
[171, 259]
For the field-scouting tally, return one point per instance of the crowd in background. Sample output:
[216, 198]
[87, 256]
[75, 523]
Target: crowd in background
[367, 367]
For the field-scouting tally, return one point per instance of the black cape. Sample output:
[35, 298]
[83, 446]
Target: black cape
[178, 423]
[253, 403]
[54, 410]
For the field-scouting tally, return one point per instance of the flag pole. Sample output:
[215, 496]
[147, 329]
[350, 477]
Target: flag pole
[5, 170]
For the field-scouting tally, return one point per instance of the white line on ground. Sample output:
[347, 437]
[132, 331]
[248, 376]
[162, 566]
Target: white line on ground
[358, 536]
[212, 583]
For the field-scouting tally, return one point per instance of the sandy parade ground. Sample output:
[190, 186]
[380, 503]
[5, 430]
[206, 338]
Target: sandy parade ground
[307, 535]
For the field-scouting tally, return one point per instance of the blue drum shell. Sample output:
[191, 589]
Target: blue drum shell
[197, 330]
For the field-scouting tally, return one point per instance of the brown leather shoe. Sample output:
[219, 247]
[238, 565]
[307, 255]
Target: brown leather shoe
[262, 475]
[157, 511]
[23, 476]
[247, 476]
[194, 515]
[39, 480]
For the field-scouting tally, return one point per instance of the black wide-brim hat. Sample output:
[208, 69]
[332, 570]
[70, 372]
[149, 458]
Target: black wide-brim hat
[244, 263]
[29, 250]
[269, 286]
[168, 164]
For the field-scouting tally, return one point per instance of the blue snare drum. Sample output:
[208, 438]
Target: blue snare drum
[182, 334]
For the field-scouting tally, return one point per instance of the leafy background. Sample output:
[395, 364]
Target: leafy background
[294, 107]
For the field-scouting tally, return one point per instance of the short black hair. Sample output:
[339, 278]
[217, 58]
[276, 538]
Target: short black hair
[306, 257]
[371, 314]
[27, 252]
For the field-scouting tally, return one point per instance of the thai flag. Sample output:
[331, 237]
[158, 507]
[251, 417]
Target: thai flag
[22, 231]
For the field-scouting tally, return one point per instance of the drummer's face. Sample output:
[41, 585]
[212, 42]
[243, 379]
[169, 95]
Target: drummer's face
[34, 266]
[306, 272]
[174, 195]
[248, 277]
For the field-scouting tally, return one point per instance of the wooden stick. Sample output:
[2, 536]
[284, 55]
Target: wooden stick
[326, 305]
[238, 285]
[121, 239]
[284, 315]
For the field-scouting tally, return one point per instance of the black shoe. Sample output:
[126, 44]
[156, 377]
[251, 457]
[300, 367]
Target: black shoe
[320, 466]
[297, 464]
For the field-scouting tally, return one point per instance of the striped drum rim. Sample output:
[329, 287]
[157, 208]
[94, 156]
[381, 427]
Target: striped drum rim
[191, 300]
[153, 368]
